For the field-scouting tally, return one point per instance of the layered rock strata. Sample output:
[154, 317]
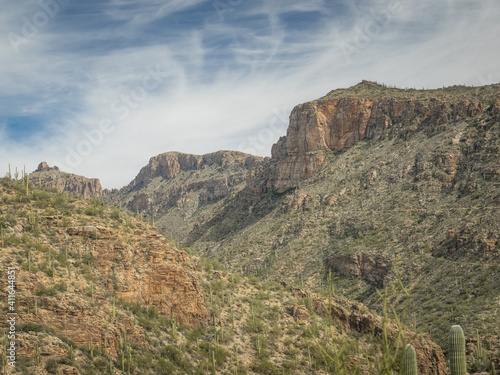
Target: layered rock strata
[339, 123]
[64, 182]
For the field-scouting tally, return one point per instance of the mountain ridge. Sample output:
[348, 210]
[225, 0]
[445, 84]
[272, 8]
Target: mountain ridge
[369, 183]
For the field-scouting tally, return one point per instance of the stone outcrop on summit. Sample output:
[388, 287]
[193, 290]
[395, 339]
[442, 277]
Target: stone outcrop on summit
[169, 164]
[64, 182]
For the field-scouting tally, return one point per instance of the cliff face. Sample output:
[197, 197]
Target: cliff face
[337, 124]
[64, 182]
[143, 268]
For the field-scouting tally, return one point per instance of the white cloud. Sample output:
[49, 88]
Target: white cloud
[220, 94]
[139, 12]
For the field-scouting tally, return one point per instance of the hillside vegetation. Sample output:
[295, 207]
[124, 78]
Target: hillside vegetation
[76, 315]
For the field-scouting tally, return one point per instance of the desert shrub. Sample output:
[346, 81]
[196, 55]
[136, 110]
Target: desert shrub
[255, 325]
[51, 366]
[8, 220]
[31, 327]
[96, 208]
[264, 367]
[115, 214]
[53, 290]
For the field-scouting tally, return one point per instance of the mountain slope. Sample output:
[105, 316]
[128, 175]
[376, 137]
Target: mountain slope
[373, 182]
[394, 181]
[98, 291]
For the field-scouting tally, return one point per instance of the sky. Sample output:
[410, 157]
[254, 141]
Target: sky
[98, 87]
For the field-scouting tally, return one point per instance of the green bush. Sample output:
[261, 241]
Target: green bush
[53, 290]
[96, 208]
[51, 366]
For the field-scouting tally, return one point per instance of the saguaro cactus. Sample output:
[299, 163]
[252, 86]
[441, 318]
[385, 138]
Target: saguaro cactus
[458, 364]
[409, 361]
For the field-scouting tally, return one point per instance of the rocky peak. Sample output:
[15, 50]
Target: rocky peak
[175, 187]
[169, 164]
[44, 167]
[52, 177]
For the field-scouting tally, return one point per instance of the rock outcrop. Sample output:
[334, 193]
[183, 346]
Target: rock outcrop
[168, 165]
[298, 312]
[373, 268]
[145, 269]
[64, 182]
[337, 122]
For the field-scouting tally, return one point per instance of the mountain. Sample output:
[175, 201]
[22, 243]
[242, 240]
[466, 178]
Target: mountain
[181, 190]
[98, 291]
[381, 186]
[386, 196]
[66, 182]
[371, 183]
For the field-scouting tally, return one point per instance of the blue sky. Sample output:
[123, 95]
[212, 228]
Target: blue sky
[98, 87]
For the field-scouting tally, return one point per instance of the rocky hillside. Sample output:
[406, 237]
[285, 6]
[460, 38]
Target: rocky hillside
[384, 188]
[100, 292]
[52, 177]
[368, 111]
[373, 182]
[181, 190]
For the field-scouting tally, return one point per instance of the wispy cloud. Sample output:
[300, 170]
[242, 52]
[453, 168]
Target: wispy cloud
[222, 82]
[141, 12]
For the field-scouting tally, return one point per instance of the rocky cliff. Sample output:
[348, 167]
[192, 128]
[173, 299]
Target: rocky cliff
[143, 268]
[52, 177]
[344, 117]
[170, 164]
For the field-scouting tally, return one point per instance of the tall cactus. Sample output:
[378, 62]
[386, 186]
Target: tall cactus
[409, 361]
[458, 363]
